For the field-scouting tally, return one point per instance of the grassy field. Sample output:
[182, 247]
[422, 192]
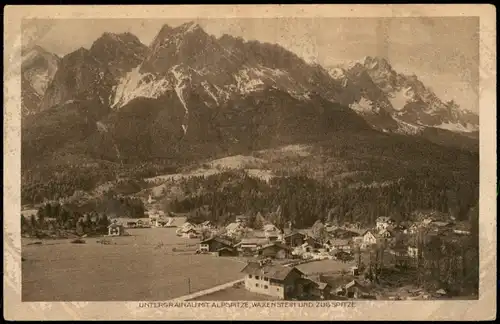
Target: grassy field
[137, 267]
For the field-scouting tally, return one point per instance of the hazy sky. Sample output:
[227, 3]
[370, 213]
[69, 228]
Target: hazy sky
[442, 51]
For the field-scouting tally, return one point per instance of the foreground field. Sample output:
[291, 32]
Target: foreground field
[142, 266]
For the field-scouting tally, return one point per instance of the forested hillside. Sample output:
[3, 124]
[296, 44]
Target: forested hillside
[303, 200]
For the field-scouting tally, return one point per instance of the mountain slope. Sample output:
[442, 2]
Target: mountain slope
[147, 128]
[190, 96]
[382, 94]
[414, 102]
[38, 68]
[59, 128]
[91, 74]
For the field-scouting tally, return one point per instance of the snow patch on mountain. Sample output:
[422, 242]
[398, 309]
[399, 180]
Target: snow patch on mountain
[400, 98]
[263, 71]
[40, 81]
[222, 94]
[337, 73]
[245, 83]
[180, 85]
[407, 128]
[206, 86]
[135, 84]
[457, 127]
[302, 96]
[363, 106]
[191, 27]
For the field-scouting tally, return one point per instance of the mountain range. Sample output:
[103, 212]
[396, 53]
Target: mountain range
[190, 95]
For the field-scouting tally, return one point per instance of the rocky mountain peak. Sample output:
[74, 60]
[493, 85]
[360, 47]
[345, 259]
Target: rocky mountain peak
[126, 38]
[121, 52]
[379, 63]
[37, 70]
[78, 54]
[189, 27]
[187, 43]
[37, 50]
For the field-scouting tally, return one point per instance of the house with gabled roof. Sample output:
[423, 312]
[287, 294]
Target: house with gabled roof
[318, 288]
[273, 280]
[383, 222]
[116, 229]
[243, 219]
[234, 228]
[189, 232]
[250, 246]
[214, 244]
[188, 225]
[294, 239]
[275, 250]
[207, 224]
[369, 239]
[338, 245]
[386, 233]
[353, 289]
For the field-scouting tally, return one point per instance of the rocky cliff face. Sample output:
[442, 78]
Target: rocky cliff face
[37, 71]
[190, 92]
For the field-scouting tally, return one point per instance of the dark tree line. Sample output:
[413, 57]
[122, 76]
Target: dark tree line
[54, 182]
[450, 262]
[303, 201]
[57, 218]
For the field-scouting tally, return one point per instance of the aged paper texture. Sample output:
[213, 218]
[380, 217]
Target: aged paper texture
[281, 162]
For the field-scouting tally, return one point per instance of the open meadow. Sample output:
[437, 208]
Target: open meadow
[150, 264]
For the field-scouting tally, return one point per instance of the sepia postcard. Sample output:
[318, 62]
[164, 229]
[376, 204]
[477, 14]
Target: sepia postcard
[260, 162]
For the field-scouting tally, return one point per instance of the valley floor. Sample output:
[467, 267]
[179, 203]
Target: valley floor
[142, 266]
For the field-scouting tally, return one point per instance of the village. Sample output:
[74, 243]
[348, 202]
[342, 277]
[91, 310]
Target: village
[344, 261]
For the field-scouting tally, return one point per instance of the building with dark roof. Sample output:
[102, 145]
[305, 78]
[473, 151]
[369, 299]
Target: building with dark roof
[115, 229]
[250, 246]
[275, 250]
[273, 280]
[215, 244]
[295, 239]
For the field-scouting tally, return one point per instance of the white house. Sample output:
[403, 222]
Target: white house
[116, 229]
[207, 224]
[338, 245]
[368, 240]
[427, 221]
[272, 233]
[250, 246]
[189, 233]
[162, 222]
[273, 280]
[243, 219]
[270, 228]
[184, 228]
[188, 225]
[412, 251]
[383, 222]
[385, 233]
[234, 228]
